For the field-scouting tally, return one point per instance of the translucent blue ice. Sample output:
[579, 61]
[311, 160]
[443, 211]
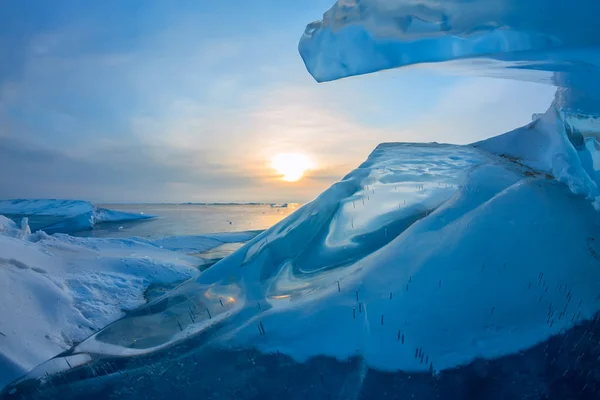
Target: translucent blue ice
[362, 36]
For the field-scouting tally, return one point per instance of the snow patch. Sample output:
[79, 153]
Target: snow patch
[57, 290]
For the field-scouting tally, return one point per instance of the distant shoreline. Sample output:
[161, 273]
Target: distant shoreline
[205, 204]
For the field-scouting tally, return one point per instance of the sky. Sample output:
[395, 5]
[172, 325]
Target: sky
[156, 101]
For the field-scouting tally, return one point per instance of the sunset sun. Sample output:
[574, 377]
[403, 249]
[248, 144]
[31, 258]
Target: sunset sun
[291, 166]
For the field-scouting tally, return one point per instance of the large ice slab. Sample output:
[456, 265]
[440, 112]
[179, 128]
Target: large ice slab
[402, 265]
[64, 216]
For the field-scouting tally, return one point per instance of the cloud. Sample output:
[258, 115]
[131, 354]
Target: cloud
[124, 174]
[153, 109]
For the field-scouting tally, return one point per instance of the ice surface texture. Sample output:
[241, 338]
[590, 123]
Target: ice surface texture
[64, 216]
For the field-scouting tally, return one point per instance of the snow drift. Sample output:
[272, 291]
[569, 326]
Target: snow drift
[64, 216]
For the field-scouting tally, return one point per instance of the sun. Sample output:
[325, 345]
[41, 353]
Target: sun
[291, 166]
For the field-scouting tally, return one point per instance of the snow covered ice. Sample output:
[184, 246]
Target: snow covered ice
[57, 290]
[431, 271]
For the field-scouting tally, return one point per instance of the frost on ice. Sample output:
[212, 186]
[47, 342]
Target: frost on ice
[430, 269]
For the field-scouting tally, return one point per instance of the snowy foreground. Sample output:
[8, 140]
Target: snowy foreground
[57, 290]
[424, 259]
[64, 216]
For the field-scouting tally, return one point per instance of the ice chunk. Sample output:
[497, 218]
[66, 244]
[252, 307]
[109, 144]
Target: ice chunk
[25, 229]
[401, 266]
[551, 41]
[64, 216]
[362, 36]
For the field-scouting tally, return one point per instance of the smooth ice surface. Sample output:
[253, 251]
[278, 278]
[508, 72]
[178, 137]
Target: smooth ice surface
[202, 243]
[406, 255]
[64, 216]
[57, 290]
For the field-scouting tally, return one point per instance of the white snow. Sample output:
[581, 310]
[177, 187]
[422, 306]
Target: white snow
[57, 290]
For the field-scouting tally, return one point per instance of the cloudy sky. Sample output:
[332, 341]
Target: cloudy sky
[157, 101]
